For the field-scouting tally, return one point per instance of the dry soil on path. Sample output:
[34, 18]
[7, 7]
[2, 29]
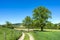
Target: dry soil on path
[22, 37]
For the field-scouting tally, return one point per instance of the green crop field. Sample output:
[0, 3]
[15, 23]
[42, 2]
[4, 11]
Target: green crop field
[46, 35]
[9, 34]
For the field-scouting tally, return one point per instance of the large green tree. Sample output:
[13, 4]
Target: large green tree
[27, 22]
[41, 15]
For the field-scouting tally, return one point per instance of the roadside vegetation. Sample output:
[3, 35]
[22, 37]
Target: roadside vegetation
[9, 34]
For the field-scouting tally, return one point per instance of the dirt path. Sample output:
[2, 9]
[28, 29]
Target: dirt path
[30, 36]
[22, 37]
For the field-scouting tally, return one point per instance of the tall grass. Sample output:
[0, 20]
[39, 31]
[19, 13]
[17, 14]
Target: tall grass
[9, 34]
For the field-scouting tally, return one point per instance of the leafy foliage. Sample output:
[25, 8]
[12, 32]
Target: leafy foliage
[41, 15]
[27, 22]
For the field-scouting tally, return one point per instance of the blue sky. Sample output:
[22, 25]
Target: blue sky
[15, 11]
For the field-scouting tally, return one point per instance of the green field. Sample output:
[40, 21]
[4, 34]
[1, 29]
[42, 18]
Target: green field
[9, 34]
[46, 35]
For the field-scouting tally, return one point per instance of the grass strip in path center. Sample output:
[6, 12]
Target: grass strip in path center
[30, 36]
[26, 37]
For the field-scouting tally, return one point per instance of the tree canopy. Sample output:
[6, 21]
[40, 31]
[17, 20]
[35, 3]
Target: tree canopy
[41, 15]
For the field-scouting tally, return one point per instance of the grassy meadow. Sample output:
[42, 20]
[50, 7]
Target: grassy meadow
[55, 35]
[9, 34]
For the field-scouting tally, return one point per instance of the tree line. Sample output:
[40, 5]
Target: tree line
[40, 19]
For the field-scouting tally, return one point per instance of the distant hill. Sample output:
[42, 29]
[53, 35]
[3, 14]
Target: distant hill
[15, 25]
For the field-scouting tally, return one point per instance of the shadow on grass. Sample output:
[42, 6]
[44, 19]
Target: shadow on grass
[41, 31]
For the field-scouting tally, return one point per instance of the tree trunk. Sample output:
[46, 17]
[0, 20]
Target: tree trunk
[41, 28]
[28, 29]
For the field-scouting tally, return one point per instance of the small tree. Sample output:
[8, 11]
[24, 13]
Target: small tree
[41, 15]
[58, 26]
[33, 24]
[9, 25]
[27, 22]
[49, 25]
